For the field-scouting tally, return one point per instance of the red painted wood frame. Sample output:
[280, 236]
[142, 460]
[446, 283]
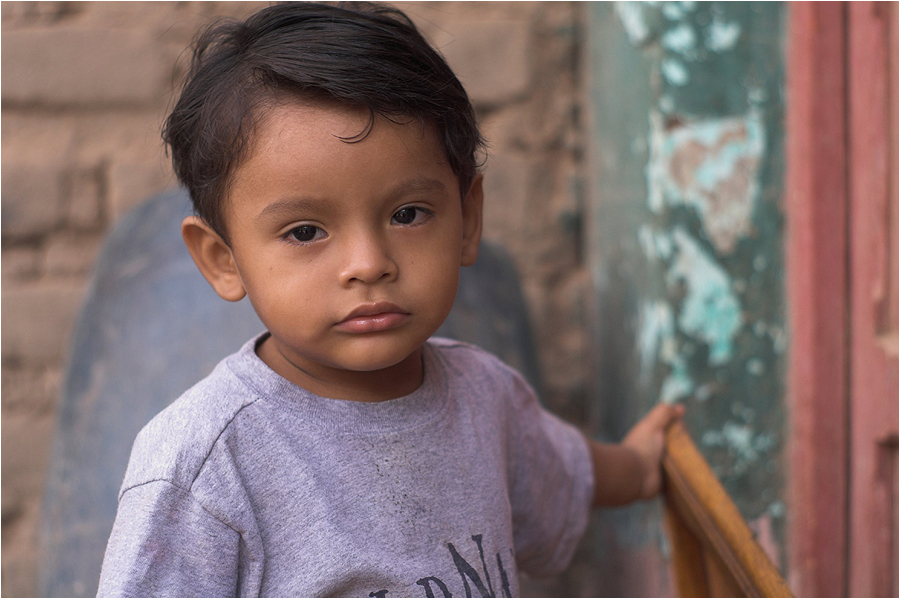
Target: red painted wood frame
[816, 282]
[841, 253]
[872, 161]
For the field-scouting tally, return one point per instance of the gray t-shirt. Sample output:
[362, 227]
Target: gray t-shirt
[249, 485]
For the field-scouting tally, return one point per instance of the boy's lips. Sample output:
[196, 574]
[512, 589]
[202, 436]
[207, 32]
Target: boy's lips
[373, 317]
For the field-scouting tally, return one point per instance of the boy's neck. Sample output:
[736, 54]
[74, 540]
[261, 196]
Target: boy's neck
[374, 386]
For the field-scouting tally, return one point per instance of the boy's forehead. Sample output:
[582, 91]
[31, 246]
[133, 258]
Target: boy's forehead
[343, 121]
[322, 140]
[322, 125]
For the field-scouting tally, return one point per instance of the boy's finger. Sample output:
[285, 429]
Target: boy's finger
[664, 414]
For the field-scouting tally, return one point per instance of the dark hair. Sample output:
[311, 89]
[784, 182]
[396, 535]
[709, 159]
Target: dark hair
[359, 54]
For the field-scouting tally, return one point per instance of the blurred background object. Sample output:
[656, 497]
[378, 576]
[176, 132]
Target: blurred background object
[85, 87]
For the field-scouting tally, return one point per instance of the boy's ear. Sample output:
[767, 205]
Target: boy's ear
[213, 257]
[472, 208]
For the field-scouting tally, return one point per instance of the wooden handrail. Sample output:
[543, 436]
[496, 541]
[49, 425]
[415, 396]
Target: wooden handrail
[714, 551]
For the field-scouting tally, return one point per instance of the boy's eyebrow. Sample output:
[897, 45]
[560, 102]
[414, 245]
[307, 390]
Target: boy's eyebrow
[418, 185]
[289, 206]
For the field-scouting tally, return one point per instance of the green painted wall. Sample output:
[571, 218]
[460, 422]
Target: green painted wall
[684, 238]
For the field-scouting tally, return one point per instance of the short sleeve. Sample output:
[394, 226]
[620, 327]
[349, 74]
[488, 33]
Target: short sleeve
[551, 486]
[165, 544]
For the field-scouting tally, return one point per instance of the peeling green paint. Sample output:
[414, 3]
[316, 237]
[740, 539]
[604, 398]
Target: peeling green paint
[710, 311]
[711, 165]
[685, 232]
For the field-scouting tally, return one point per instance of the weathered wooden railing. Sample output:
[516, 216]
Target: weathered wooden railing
[714, 553]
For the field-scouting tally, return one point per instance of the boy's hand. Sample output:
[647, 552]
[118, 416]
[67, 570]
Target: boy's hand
[647, 439]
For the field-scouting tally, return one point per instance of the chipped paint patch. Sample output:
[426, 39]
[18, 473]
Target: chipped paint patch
[674, 72]
[777, 509]
[666, 103]
[631, 14]
[657, 325]
[721, 36]
[741, 443]
[681, 39]
[657, 340]
[711, 165]
[677, 385]
[779, 340]
[657, 245]
[710, 311]
[756, 367]
[757, 95]
[676, 10]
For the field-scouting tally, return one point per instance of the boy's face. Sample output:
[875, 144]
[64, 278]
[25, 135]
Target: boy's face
[349, 250]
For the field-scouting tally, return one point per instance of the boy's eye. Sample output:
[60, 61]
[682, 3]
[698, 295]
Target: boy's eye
[305, 233]
[409, 215]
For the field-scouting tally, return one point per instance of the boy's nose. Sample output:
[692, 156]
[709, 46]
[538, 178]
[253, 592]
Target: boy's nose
[368, 260]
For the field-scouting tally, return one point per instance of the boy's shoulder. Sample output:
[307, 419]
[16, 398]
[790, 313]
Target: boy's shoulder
[174, 445]
[461, 352]
[477, 366]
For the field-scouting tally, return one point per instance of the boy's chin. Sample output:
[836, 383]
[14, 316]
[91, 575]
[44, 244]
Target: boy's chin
[369, 355]
[389, 360]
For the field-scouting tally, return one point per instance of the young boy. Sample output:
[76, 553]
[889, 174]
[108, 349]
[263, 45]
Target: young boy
[331, 157]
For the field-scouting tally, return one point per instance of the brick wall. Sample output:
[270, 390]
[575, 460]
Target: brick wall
[85, 86]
